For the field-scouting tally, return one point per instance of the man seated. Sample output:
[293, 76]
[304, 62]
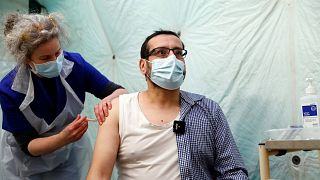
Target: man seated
[164, 132]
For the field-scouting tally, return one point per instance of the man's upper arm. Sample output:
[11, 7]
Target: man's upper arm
[106, 146]
[229, 163]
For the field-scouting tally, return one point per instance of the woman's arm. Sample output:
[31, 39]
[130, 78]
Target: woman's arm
[71, 133]
[102, 108]
[106, 146]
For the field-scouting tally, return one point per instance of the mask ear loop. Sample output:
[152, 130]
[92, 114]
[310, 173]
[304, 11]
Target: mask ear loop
[148, 68]
[33, 68]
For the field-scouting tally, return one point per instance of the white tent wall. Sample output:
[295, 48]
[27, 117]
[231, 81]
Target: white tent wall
[6, 61]
[251, 56]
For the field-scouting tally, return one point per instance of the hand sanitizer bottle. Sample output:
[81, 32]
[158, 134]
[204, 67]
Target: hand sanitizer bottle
[310, 106]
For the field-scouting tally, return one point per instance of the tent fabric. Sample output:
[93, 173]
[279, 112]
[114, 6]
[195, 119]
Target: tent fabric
[252, 57]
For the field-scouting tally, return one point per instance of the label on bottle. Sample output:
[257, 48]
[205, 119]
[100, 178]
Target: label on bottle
[310, 115]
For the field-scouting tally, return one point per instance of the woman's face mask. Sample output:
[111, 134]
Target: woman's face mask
[49, 69]
[168, 72]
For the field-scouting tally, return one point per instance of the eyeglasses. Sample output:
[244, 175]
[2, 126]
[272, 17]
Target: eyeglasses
[163, 52]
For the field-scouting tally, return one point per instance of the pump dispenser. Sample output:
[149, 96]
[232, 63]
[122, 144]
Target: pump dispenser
[310, 106]
[310, 90]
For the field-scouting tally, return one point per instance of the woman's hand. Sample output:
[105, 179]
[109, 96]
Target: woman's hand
[75, 130]
[101, 110]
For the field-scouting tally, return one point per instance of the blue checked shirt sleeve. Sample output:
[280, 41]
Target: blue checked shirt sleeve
[228, 163]
[207, 149]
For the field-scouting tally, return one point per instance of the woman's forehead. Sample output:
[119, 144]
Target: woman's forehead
[49, 47]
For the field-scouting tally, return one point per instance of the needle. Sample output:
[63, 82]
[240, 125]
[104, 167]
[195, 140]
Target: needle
[92, 120]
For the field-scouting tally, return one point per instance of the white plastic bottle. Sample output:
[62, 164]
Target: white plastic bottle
[310, 106]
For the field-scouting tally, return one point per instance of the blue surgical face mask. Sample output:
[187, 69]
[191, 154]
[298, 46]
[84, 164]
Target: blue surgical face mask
[50, 69]
[167, 73]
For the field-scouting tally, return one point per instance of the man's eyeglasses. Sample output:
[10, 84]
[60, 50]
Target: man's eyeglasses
[163, 52]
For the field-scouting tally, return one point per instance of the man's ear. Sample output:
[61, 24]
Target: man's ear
[143, 66]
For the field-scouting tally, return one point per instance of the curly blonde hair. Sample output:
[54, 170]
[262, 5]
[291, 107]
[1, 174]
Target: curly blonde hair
[25, 32]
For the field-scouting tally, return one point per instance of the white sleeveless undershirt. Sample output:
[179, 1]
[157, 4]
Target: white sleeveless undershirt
[146, 151]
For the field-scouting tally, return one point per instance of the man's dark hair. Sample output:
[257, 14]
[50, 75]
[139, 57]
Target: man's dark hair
[144, 52]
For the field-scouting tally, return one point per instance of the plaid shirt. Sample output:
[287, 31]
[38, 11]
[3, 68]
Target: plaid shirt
[207, 149]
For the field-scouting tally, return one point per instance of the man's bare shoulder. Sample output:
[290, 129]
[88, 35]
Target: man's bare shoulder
[113, 116]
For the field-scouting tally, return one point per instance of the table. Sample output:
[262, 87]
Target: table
[281, 147]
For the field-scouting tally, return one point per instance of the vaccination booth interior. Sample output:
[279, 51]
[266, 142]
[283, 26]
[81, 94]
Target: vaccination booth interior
[250, 56]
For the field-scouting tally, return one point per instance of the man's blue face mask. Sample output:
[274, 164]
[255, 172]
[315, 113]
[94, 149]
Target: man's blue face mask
[168, 72]
[50, 69]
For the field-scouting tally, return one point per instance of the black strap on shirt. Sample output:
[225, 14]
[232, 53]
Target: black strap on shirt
[109, 90]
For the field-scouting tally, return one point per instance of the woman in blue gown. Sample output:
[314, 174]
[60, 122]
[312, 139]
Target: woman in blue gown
[43, 135]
